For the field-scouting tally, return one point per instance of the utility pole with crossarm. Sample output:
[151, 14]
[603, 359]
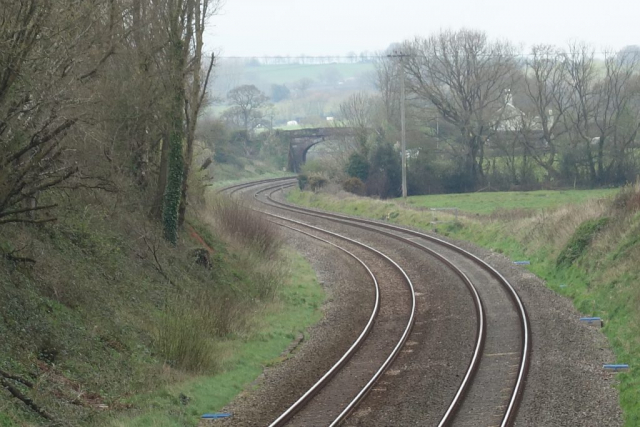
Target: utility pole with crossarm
[403, 138]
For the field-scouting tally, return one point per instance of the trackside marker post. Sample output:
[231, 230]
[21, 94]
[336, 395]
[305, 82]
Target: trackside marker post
[593, 321]
[616, 368]
[217, 415]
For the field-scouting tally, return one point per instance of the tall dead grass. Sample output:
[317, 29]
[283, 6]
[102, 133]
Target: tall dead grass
[185, 337]
[257, 243]
[193, 323]
[248, 227]
[553, 228]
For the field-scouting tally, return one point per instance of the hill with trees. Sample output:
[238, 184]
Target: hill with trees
[122, 279]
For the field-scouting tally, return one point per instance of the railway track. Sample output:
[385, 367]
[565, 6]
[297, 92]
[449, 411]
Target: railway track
[346, 383]
[490, 391]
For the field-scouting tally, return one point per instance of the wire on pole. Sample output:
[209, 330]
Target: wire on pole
[400, 56]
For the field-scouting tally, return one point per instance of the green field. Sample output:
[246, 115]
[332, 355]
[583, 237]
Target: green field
[487, 203]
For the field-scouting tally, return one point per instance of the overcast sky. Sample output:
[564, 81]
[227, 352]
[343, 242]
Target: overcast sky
[336, 27]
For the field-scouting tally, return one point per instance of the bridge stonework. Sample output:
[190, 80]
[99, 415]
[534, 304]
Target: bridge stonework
[301, 140]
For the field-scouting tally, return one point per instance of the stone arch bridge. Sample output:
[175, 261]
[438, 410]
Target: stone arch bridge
[301, 140]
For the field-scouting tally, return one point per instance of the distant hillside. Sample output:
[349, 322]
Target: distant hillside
[232, 73]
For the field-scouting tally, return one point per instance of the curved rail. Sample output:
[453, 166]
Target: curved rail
[394, 353]
[291, 411]
[516, 395]
[237, 187]
[449, 414]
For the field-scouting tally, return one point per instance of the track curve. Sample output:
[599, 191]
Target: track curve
[417, 239]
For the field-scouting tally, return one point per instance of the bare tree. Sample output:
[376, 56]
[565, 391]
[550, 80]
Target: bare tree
[464, 77]
[50, 55]
[548, 94]
[387, 81]
[358, 111]
[605, 115]
[301, 86]
[247, 101]
[196, 96]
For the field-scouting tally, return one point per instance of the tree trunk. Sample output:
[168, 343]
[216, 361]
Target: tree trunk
[193, 106]
[141, 153]
[593, 176]
[156, 209]
[601, 173]
[172, 192]
[178, 54]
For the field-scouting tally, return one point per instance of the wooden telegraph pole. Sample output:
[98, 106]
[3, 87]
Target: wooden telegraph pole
[403, 137]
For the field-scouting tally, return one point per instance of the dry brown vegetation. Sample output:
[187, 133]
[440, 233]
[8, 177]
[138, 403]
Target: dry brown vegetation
[239, 222]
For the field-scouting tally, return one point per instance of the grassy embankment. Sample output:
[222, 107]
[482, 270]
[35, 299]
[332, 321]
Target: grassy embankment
[111, 326]
[585, 244]
[229, 174]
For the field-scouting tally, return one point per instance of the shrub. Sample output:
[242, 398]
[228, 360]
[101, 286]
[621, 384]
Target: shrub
[247, 225]
[302, 181]
[628, 199]
[385, 175]
[186, 333]
[313, 167]
[580, 241]
[358, 167]
[354, 185]
[316, 182]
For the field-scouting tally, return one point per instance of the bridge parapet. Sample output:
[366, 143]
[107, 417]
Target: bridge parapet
[301, 140]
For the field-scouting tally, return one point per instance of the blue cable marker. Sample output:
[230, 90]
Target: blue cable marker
[592, 321]
[616, 368]
[522, 262]
[217, 415]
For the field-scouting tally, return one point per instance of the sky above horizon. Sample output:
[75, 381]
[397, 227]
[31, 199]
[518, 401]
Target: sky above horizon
[250, 28]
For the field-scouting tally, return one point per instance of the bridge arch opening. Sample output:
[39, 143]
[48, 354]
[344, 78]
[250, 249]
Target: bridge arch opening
[302, 140]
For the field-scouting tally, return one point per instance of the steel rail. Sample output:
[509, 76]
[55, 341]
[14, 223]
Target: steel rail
[290, 412]
[447, 418]
[516, 396]
[308, 395]
[293, 409]
[479, 308]
[237, 187]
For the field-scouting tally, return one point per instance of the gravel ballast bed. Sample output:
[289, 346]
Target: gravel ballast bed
[421, 382]
[566, 385]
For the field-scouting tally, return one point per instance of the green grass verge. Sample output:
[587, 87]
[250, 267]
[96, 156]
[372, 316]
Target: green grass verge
[298, 307]
[487, 203]
[229, 174]
[252, 177]
[599, 284]
[95, 321]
